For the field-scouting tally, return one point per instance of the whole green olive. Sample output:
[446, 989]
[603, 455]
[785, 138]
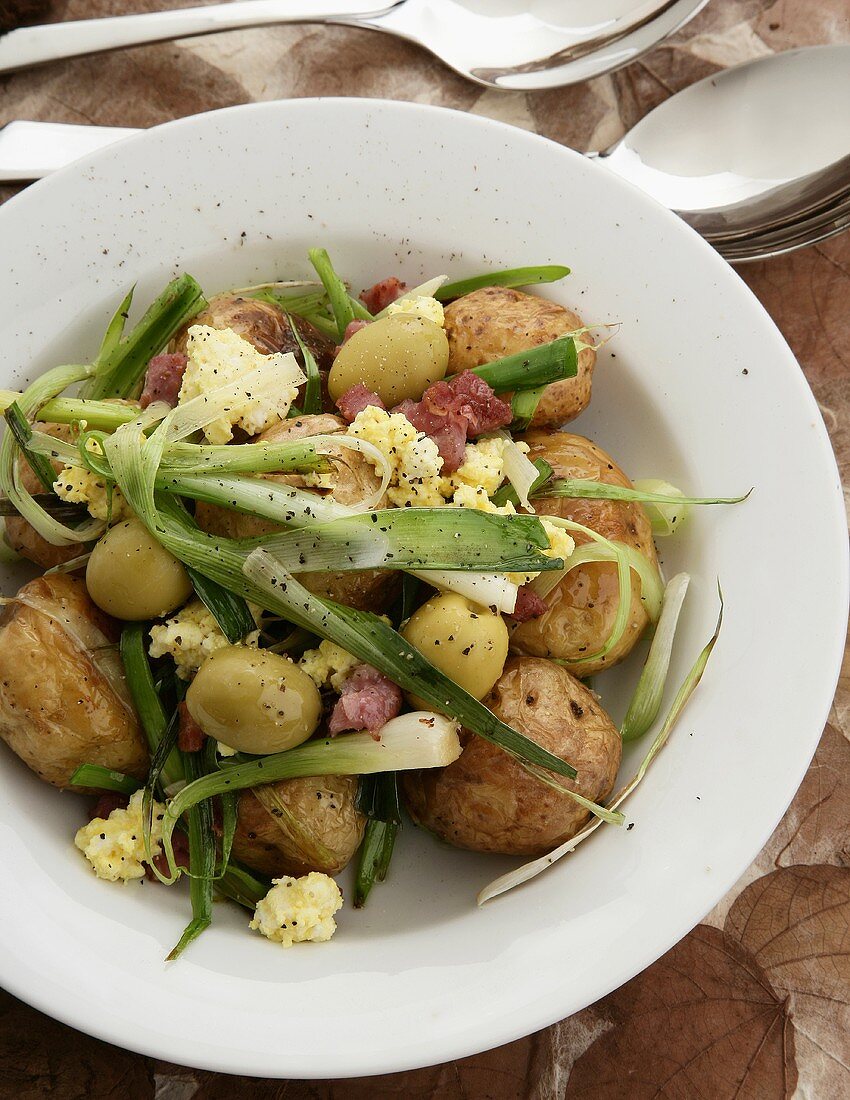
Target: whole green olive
[131, 576]
[253, 700]
[396, 357]
[467, 642]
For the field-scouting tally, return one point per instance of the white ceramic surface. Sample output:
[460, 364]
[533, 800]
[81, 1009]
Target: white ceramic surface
[698, 387]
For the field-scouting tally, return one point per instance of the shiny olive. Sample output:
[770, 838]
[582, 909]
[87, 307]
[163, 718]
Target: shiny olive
[130, 576]
[253, 700]
[396, 357]
[467, 642]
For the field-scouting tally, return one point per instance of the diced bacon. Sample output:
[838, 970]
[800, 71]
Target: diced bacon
[452, 410]
[163, 379]
[368, 700]
[351, 328]
[379, 296]
[109, 801]
[190, 736]
[357, 399]
[528, 605]
[180, 843]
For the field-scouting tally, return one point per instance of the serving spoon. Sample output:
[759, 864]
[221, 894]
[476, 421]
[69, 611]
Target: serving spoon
[749, 157]
[499, 43]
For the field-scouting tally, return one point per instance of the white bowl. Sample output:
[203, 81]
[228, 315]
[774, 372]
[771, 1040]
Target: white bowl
[698, 387]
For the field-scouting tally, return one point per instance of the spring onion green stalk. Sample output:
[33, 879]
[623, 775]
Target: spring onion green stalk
[43, 389]
[243, 886]
[418, 740]
[604, 813]
[104, 779]
[229, 611]
[312, 402]
[201, 862]
[361, 313]
[428, 289]
[646, 700]
[507, 492]
[336, 290]
[530, 870]
[145, 698]
[373, 858]
[523, 406]
[52, 505]
[20, 429]
[163, 753]
[69, 566]
[228, 804]
[530, 369]
[521, 472]
[323, 324]
[115, 328]
[649, 492]
[511, 277]
[119, 371]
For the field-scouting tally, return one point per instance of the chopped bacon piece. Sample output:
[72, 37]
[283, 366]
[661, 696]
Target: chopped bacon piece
[452, 410]
[163, 379]
[190, 736]
[351, 328]
[368, 700]
[180, 843]
[109, 801]
[357, 399]
[528, 605]
[379, 296]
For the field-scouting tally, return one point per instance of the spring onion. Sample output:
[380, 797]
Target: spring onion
[507, 493]
[312, 402]
[21, 430]
[243, 886]
[523, 407]
[337, 292]
[652, 493]
[146, 700]
[530, 369]
[520, 471]
[417, 740]
[646, 700]
[95, 777]
[201, 862]
[511, 277]
[230, 612]
[530, 870]
[115, 328]
[122, 368]
[52, 505]
[373, 859]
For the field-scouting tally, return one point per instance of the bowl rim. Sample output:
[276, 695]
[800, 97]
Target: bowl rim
[546, 1009]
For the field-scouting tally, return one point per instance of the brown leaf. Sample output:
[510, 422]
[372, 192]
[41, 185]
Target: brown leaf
[796, 923]
[703, 1021]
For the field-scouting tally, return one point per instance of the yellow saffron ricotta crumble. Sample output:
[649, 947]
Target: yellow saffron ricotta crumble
[115, 845]
[298, 910]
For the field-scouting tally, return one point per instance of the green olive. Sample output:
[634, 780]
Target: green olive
[253, 700]
[396, 357]
[467, 642]
[131, 576]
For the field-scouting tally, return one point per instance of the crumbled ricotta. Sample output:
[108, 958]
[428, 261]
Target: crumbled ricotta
[115, 845]
[328, 666]
[419, 305]
[220, 357]
[414, 458]
[189, 637]
[298, 910]
[77, 485]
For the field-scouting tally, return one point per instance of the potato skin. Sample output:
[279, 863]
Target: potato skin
[583, 606]
[367, 589]
[486, 802]
[21, 535]
[496, 321]
[57, 707]
[322, 834]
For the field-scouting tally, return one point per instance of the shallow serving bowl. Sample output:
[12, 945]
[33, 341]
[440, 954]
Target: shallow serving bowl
[698, 387]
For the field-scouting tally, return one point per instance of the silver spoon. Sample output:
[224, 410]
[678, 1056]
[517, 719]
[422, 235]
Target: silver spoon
[755, 160]
[499, 43]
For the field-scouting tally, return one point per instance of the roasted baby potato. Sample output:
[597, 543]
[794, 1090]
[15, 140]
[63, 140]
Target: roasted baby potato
[63, 698]
[21, 535]
[583, 607]
[495, 321]
[368, 590]
[262, 324]
[485, 801]
[299, 825]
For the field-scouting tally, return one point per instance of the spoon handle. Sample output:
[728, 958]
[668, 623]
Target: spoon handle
[28, 46]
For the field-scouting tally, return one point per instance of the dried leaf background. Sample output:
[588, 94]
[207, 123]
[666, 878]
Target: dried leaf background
[753, 1003]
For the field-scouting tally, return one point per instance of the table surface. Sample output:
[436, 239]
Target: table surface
[754, 1002]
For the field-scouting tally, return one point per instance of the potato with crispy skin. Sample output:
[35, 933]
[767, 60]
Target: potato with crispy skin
[487, 802]
[63, 698]
[299, 825]
[582, 609]
[495, 321]
[21, 535]
[367, 589]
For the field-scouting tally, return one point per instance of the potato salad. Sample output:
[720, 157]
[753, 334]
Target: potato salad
[320, 565]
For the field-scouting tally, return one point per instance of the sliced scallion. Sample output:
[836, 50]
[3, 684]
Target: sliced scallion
[373, 857]
[511, 277]
[201, 862]
[531, 369]
[21, 430]
[312, 402]
[229, 611]
[104, 779]
[146, 700]
[337, 291]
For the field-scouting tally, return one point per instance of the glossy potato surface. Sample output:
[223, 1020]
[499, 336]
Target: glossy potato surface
[300, 825]
[583, 607]
[496, 321]
[63, 700]
[486, 802]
